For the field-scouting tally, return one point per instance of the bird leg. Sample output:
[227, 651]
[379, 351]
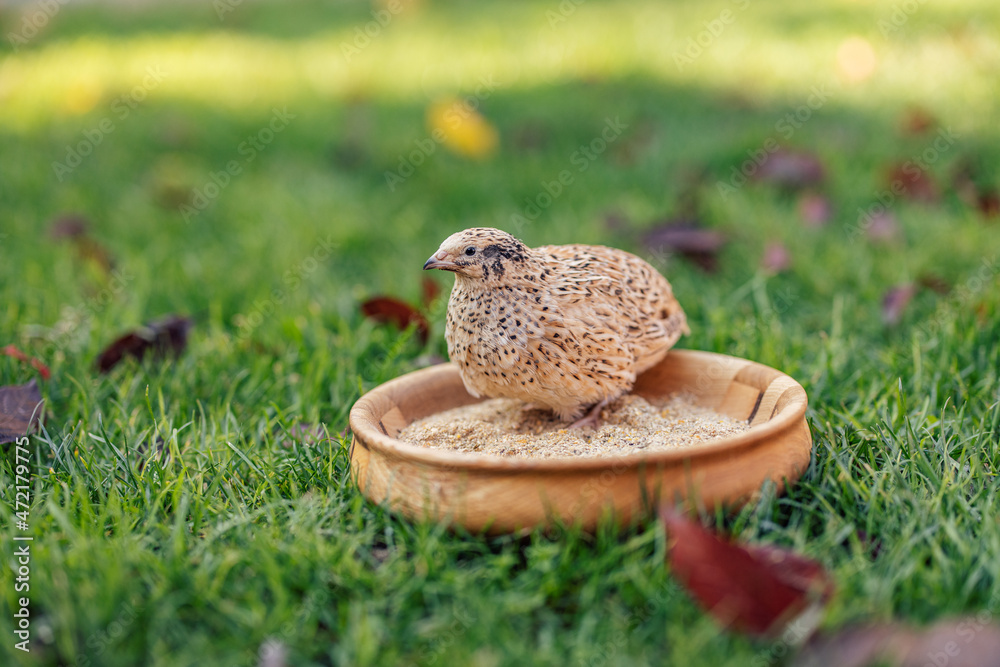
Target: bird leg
[593, 416]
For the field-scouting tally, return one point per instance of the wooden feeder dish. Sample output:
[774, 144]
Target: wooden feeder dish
[502, 495]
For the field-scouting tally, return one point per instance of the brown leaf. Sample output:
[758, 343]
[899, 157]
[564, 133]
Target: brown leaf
[790, 169]
[144, 448]
[916, 121]
[934, 282]
[430, 291]
[305, 433]
[883, 227]
[389, 310]
[974, 186]
[20, 409]
[988, 203]
[169, 334]
[814, 209]
[42, 369]
[687, 238]
[757, 590]
[76, 228]
[69, 226]
[971, 641]
[895, 301]
[912, 182]
[776, 258]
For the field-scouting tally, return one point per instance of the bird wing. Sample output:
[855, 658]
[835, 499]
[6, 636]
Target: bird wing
[621, 295]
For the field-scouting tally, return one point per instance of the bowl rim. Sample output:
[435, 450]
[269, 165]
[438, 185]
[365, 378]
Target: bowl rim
[374, 439]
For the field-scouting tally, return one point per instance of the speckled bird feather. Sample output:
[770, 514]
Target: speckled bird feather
[564, 327]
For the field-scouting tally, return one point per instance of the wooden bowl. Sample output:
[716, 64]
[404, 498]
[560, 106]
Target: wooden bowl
[500, 495]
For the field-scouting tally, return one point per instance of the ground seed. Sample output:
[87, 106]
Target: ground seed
[502, 427]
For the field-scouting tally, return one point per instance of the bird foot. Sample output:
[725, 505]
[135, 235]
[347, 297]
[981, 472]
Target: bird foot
[592, 418]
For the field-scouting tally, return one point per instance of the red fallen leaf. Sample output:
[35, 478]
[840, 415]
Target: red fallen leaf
[398, 313]
[988, 203]
[20, 408]
[430, 291]
[912, 182]
[42, 369]
[814, 209]
[169, 334]
[960, 642]
[776, 258]
[687, 238]
[916, 121]
[895, 301]
[791, 169]
[757, 590]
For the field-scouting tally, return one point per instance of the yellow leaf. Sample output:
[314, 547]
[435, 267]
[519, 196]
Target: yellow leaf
[461, 128]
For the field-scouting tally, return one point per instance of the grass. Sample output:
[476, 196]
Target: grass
[182, 512]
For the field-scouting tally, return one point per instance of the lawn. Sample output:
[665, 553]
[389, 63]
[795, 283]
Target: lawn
[265, 167]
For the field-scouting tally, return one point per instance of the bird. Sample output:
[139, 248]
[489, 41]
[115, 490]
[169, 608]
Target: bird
[562, 327]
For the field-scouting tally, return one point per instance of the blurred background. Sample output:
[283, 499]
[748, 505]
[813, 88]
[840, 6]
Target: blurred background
[819, 182]
[270, 164]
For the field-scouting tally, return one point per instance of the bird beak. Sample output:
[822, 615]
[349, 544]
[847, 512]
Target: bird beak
[437, 261]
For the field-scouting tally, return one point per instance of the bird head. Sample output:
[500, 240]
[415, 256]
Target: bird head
[480, 253]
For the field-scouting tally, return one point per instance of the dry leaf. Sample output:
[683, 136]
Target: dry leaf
[167, 335]
[975, 188]
[758, 590]
[462, 129]
[386, 309]
[69, 226]
[791, 169]
[895, 301]
[934, 282]
[76, 229]
[961, 642]
[916, 121]
[776, 258]
[20, 409]
[42, 369]
[912, 182]
[687, 238]
[814, 209]
[883, 227]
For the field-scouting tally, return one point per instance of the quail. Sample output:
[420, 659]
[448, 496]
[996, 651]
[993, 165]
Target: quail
[564, 327]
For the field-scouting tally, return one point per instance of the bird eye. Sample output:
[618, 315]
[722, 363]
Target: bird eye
[470, 251]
